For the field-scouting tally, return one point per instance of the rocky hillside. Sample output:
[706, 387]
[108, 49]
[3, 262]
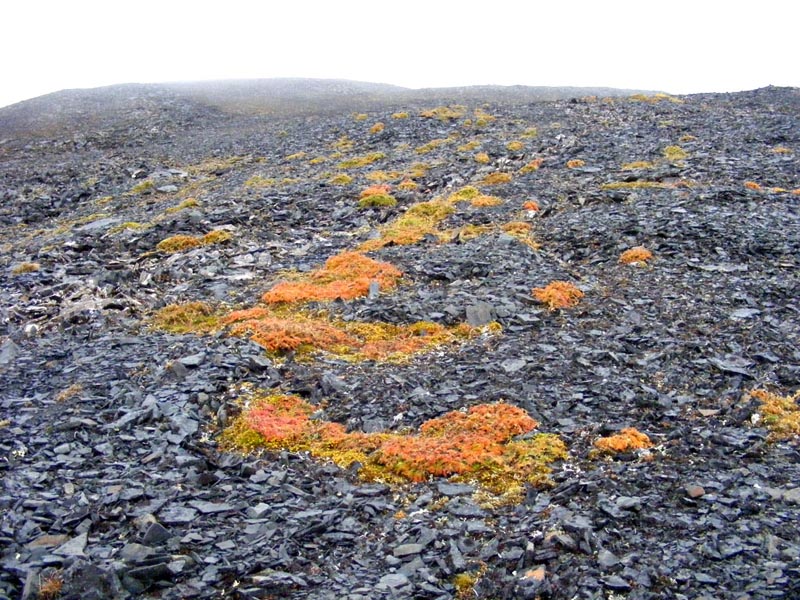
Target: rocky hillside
[454, 345]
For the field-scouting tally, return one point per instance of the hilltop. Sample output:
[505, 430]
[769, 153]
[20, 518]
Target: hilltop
[295, 339]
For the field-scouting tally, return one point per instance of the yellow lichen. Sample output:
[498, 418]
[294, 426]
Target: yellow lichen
[515, 146]
[482, 158]
[675, 153]
[362, 161]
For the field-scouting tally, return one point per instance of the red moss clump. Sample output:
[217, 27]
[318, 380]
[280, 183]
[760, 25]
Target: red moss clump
[280, 419]
[626, 440]
[558, 294]
[345, 276]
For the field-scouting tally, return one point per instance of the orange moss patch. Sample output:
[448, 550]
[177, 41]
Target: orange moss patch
[532, 166]
[444, 113]
[575, 163]
[281, 331]
[752, 185]
[345, 276]
[531, 205]
[374, 190]
[781, 414]
[376, 128]
[482, 158]
[407, 185]
[639, 164]
[474, 445]
[179, 243]
[639, 254]
[558, 294]
[496, 178]
[484, 201]
[626, 440]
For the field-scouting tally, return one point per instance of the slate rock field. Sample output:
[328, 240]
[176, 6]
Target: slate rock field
[115, 479]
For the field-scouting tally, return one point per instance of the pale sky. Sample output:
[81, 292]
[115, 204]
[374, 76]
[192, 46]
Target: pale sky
[677, 46]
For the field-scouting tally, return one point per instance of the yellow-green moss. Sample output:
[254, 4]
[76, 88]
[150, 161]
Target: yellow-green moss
[675, 153]
[341, 179]
[431, 146]
[444, 113]
[145, 187]
[515, 146]
[259, 181]
[190, 317]
[377, 200]
[400, 115]
[362, 161]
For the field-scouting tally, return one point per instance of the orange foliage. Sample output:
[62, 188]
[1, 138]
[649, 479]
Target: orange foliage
[531, 205]
[375, 190]
[626, 440]
[558, 294]
[283, 334]
[345, 276]
[752, 185]
[639, 254]
[575, 163]
[497, 178]
[455, 443]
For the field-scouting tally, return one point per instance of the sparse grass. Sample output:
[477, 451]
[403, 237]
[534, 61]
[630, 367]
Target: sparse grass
[377, 128]
[318, 160]
[407, 185]
[444, 113]
[341, 179]
[781, 150]
[259, 181]
[69, 392]
[532, 166]
[216, 166]
[145, 187]
[482, 118]
[521, 231]
[515, 146]
[482, 158]
[475, 445]
[188, 203]
[469, 146]
[128, 226]
[484, 201]
[179, 243]
[627, 440]
[781, 414]
[637, 165]
[558, 294]
[497, 178]
[575, 163]
[418, 170]
[190, 317]
[25, 267]
[50, 586]
[637, 255]
[655, 98]
[675, 153]
[345, 276]
[362, 161]
[635, 185]
[380, 176]
[431, 146]
[296, 156]
[104, 200]
[343, 144]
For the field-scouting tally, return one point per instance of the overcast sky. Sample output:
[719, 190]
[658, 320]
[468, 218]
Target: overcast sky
[677, 46]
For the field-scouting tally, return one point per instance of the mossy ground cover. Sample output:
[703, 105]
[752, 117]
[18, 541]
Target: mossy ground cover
[480, 444]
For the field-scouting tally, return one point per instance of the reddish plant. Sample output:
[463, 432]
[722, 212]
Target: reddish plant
[558, 294]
